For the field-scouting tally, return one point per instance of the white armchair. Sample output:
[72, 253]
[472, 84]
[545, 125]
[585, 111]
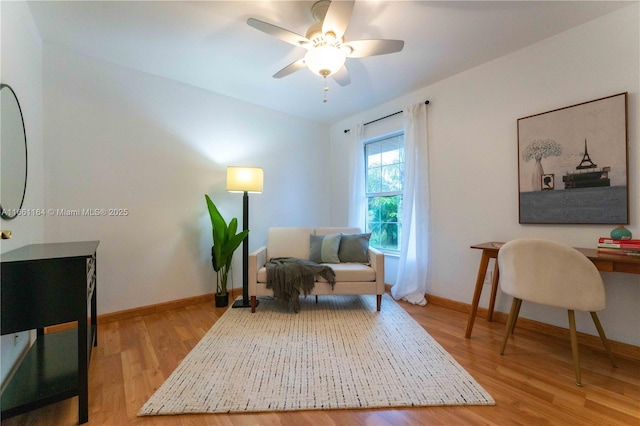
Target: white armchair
[552, 274]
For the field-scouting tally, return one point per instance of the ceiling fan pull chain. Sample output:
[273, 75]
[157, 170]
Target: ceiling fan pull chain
[326, 89]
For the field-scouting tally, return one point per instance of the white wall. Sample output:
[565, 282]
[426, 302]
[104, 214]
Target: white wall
[21, 68]
[473, 159]
[118, 138]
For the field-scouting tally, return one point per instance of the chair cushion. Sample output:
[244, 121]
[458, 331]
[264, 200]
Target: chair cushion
[262, 275]
[352, 272]
[345, 272]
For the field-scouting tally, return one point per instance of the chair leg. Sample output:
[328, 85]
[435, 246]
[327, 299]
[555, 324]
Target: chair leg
[253, 304]
[515, 318]
[510, 322]
[378, 301]
[596, 321]
[316, 299]
[574, 346]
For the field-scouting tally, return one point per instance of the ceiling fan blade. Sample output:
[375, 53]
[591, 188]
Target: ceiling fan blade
[290, 69]
[281, 33]
[362, 48]
[342, 76]
[337, 17]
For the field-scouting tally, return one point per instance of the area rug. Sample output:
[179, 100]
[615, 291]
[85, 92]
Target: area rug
[339, 353]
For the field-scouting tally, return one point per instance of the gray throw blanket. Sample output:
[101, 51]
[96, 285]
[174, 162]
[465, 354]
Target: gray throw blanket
[289, 277]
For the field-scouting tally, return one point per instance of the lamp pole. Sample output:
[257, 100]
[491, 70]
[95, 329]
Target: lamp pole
[244, 303]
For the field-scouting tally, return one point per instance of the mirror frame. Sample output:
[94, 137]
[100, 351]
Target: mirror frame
[3, 215]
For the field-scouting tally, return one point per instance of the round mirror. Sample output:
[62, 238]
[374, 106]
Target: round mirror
[13, 154]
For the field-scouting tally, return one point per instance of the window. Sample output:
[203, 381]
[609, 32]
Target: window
[384, 168]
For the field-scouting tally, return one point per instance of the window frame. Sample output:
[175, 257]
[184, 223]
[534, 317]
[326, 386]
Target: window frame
[369, 195]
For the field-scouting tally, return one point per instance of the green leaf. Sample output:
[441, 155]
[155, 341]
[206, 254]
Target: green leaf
[217, 221]
[234, 242]
[233, 226]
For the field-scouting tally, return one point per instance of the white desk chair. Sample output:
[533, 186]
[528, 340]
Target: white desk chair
[552, 274]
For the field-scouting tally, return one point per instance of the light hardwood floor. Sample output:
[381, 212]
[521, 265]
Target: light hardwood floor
[533, 383]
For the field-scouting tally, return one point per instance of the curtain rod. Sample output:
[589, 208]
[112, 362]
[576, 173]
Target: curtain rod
[382, 118]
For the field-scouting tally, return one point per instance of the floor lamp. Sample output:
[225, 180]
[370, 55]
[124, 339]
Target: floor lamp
[245, 180]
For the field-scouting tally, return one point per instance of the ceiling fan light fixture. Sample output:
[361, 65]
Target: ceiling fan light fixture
[325, 60]
[324, 41]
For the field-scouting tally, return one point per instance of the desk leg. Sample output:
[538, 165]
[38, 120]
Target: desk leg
[494, 291]
[482, 271]
[83, 370]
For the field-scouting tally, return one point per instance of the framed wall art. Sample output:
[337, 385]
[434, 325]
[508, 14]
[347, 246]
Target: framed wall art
[572, 164]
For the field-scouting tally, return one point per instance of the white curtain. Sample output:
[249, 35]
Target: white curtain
[357, 199]
[411, 281]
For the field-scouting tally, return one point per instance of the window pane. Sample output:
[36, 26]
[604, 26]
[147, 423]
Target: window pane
[390, 178]
[390, 157]
[390, 209]
[373, 210]
[373, 155]
[389, 236]
[383, 215]
[373, 180]
[373, 221]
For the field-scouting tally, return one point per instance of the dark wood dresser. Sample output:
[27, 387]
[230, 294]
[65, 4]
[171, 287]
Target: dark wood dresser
[45, 285]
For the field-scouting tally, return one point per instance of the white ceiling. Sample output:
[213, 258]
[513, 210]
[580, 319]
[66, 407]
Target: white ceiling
[208, 44]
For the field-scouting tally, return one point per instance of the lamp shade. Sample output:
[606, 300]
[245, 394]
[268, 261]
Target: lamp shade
[240, 179]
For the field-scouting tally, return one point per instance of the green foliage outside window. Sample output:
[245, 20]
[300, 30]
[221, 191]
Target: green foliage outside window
[383, 221]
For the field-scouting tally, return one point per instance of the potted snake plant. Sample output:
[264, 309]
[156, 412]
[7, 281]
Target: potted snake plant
[225, 242]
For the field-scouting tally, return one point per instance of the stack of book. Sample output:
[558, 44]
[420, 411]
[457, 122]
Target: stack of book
[620, 247]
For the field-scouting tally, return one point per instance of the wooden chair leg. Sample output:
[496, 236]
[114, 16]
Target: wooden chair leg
[253, 304]
[316, 299]
[515, 318]
[596, 321]
[494, 291]
[379, 301]
[510, 322]
[574, 346]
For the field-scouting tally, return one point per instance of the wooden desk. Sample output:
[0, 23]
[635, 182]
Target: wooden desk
[604, 262]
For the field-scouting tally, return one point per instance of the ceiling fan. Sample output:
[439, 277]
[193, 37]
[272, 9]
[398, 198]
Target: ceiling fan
[327, 50]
